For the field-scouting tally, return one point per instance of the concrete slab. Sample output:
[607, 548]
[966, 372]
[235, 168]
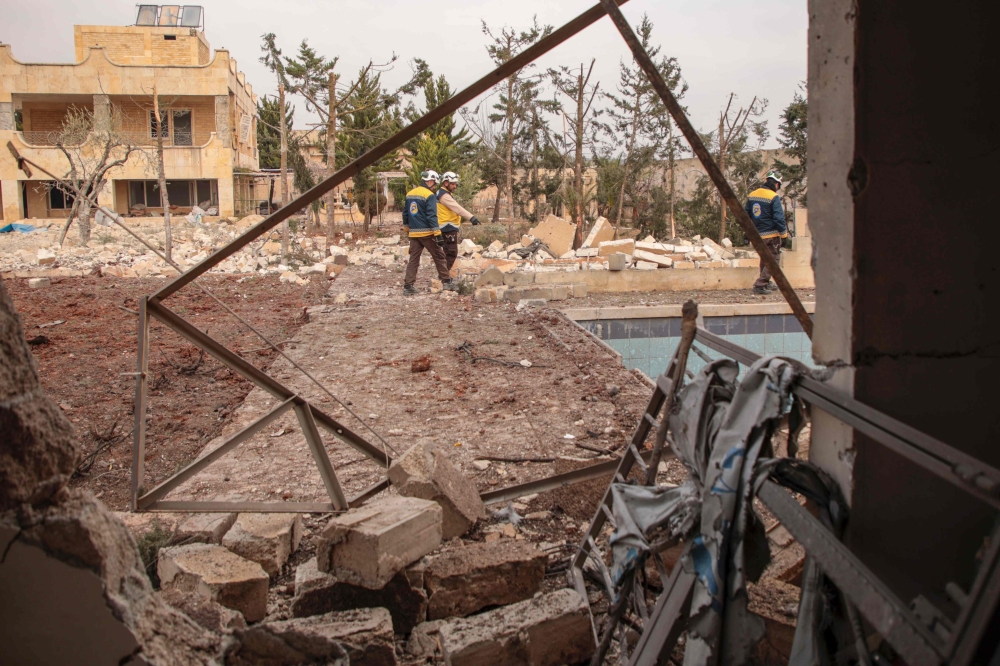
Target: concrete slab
[552, 630]
[464, 580]
[265, 538]
[557, 233]
[369, 545]
[204, 528]
[216, 574]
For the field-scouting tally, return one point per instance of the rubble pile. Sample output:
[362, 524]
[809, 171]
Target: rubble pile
[391, 580]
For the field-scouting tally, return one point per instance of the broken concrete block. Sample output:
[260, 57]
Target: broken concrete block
[655, 248]
[531, 303]
[617, 262]
[696, 256]
[560, 292]
[216, 574]
[601, 231]
[46, 257]
[518, 279]
[317, 593]
[552, 630]
[726, 243]
[491, 277]
[466, 247]
[496, 246]
[607, 248]
[426, 472]
[271, 248]
[535, 292]
[556, 233]
[485, 295]
[746, 263]
[423, 641]
[646, 266]
[464, 580]
[204, 528]
[712, 264]
[369, 545]
[39, 282]
[578, 289]
[658, 259]
[205, 612]
[587, 252]
[265, 538]
[684, 265]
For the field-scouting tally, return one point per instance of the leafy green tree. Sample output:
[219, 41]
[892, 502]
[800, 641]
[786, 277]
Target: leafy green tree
[440, 147]
[269, 144]
[792, 136]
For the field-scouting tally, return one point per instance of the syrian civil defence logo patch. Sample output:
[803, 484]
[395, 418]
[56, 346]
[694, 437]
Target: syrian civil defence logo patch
[413, 208]
[756, 210]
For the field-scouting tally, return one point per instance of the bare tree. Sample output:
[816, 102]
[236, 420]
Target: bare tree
[575, 85]
[93, 144]
[160, 128]
[273, 60]
[731, 131]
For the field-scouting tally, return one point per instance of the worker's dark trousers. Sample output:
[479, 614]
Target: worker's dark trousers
[450, 247]
[417, 246]
[774, 245]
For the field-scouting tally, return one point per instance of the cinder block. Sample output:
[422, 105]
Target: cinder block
[560, 292]
[518, 279]
[579, 289]
[204, 528]
[551, 630]
[369, 545]
[529, 293]
[265, 538]
[617, 262]
[683, 265]
[217, 574]
[425, 471]
[607, 248]
[464, 580]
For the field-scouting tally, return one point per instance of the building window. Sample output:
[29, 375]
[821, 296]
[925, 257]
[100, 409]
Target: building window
[183, 128]
[170, 38]
[154, 126]
[183, 193]
[59, 200]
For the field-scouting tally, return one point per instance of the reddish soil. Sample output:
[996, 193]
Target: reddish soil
[82, 362]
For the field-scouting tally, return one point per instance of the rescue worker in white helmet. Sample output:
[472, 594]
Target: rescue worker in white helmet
[421, 221]
[764, 208]
[450, 216]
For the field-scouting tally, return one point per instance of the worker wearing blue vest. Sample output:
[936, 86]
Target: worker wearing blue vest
[421, 221]
[764, 208]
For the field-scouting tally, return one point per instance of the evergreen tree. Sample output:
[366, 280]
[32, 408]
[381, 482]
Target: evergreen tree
[792, 136]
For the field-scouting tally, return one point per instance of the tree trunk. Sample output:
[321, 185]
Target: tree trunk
[509, 161]
[670, 167]
[578, 162]
[332, 197]
[496, 209]
[534, 164]
[83, 220]
[722, 168]
[628, 159]
[284, 167]
[161, 178]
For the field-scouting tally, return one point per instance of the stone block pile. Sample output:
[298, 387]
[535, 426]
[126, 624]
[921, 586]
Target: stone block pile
[391, 580]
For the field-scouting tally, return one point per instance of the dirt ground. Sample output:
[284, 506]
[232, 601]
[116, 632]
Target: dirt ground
[501, 384]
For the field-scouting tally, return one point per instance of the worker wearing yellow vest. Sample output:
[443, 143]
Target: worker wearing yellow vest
[764, 208]
[450, 216]
[421, 222]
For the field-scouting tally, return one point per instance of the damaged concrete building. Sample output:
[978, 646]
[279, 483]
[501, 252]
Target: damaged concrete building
[209, 126]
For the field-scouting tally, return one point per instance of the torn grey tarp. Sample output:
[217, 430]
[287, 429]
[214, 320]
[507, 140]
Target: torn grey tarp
[720, 429]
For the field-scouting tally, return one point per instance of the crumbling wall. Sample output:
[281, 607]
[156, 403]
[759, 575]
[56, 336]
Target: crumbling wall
[71, 579]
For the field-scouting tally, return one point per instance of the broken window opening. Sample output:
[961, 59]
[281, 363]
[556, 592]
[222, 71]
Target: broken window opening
[170, 38]
[183, 128]
[154, 126]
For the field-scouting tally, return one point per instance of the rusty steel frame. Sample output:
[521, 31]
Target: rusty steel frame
[308, 415]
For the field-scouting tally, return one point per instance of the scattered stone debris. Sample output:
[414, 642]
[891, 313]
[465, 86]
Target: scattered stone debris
[464, 580]
[426, 472]
[550, 630]
[369, 545]
[204, 528]
[265, 538]
[217, 574]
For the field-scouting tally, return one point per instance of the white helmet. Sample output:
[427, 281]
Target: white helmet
[430, 174]
[449, 177]
[775, 176]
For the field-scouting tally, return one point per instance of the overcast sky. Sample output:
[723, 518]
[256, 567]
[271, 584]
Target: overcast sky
[750, 48]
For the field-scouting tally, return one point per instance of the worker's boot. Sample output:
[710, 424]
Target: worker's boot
[409, 290]
[449, 285]
[761, 291]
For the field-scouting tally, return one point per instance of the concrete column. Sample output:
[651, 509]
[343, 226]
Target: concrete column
[11, 191]
[226, 197]
[831, 211]
[6, 116]
[223, 132]
[102, 112]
